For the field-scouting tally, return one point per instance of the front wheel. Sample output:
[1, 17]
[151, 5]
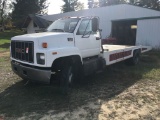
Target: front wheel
[66, 78]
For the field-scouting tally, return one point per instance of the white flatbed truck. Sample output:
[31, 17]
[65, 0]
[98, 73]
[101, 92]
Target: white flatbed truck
[71, 47]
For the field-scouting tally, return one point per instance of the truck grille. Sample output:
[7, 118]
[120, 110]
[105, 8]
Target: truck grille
[23, 50]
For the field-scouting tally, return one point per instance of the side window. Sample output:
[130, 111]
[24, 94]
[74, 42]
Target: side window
[60, 26]
[72, 26]
[85, 26]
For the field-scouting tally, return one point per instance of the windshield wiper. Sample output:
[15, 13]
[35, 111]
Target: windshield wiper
[58, 30]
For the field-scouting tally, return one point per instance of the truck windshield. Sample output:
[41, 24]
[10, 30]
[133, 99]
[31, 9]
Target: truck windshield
[63, 25]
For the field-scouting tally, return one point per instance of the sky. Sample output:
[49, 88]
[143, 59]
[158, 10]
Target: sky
[55, 6]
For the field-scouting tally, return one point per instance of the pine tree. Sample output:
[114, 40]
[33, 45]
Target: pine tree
[152, 4]
[79, 6]
[22, 8]
[71, 5]
[102, 3]
[90, 3]
[115, 2]
[4, 10]
[132, 1]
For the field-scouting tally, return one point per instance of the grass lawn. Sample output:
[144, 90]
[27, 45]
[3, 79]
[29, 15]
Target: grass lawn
[5, 38]
[120, 92]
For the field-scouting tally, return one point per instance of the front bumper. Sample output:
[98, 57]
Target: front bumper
[33, 74]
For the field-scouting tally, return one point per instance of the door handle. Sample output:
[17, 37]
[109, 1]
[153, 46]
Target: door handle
[98, 38]
[70, 39]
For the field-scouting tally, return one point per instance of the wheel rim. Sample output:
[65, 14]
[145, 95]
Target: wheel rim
[70, 77]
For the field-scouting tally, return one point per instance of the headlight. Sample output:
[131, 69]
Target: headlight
[41, 58]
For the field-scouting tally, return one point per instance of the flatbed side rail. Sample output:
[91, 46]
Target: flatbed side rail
[145, 49]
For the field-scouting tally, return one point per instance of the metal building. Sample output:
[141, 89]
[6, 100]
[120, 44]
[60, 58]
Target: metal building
[131, 25]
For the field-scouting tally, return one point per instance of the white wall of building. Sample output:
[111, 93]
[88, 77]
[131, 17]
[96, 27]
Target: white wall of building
[31, 28]
[148, 33]
[109, 13]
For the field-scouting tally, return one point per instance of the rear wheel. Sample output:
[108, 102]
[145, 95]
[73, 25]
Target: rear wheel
[135, 59]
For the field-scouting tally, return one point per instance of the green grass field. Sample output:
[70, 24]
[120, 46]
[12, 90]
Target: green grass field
[5, 38]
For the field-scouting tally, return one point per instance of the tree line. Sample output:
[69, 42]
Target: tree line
[14, 12]
[152, 4]
[73, 5]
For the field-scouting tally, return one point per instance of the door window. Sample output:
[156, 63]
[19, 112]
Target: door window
[85, 27]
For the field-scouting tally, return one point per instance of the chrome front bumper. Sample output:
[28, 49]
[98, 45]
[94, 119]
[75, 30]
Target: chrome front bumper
[31, 73]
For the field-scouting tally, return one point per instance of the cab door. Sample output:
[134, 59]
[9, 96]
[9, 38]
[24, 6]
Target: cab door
[88, 42]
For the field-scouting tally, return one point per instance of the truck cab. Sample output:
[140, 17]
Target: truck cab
[66, 41]
[85, 33]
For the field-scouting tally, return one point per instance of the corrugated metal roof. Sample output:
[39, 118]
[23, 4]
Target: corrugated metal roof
[121, 11]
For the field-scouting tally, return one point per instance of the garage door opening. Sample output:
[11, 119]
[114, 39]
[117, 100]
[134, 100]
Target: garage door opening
[125, 31]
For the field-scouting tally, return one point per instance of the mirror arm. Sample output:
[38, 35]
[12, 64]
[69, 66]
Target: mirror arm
[100, 30]
[83, 36]
[86, 29]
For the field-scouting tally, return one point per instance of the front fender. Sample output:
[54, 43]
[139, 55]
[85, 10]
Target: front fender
[53, 54]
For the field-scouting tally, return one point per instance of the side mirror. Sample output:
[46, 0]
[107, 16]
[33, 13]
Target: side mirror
[95, 24]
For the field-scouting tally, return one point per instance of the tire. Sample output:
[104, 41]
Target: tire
[66, 79]
[25, 81]
[135, 59]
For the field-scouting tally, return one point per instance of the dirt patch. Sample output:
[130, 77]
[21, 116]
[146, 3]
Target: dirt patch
[135, 103]
[120, 93]
[3, 54]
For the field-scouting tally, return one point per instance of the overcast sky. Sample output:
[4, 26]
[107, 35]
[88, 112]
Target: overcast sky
[55, 6]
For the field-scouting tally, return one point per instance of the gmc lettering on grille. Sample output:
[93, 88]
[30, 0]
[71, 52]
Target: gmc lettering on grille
[23, 50]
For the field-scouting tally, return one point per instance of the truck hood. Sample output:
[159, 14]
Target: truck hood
[35, 36]
[53, 39]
